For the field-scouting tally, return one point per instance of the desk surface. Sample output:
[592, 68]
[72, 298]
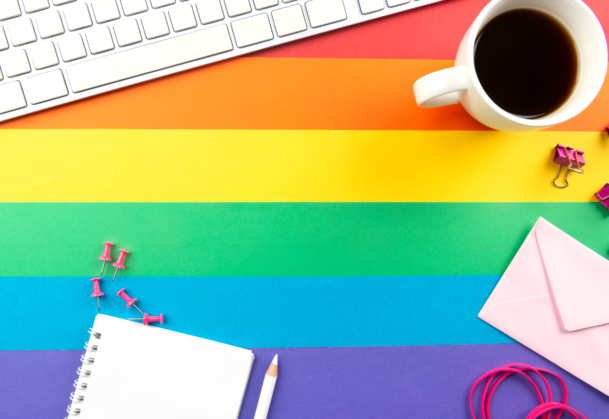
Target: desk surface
[297, 202]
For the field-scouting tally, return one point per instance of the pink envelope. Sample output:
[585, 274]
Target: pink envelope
[554, 299]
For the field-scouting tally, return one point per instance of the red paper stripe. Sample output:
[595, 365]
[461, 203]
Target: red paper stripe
[430, 32]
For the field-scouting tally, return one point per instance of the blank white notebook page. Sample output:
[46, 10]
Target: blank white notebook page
[144, 372]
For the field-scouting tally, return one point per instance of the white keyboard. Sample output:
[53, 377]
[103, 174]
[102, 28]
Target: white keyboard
[57, 51]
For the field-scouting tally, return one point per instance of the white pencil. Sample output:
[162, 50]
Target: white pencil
[266, 394]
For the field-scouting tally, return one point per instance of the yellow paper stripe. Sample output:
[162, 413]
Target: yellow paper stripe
[292, 166]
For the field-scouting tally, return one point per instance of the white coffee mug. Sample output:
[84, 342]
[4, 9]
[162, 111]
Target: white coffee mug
[461, 84]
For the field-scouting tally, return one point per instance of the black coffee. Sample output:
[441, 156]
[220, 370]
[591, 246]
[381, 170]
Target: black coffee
[526, 62]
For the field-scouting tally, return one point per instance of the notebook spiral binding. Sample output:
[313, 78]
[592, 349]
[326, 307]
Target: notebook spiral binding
[83, 373]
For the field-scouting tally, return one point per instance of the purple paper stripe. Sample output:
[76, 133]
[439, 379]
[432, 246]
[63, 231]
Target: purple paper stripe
[422, 382]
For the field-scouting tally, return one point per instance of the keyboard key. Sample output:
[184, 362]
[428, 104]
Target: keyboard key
[210, 11]
[288, 1]
[16, 63]
[161, 3]
[182, 18]
[32, 6]
[105, 10]
[289, 20]
[100, 40]
[393, 3]
[324, 12]
[3, 41]
[237, 7]
[77, 17]
[22, 32]
[45, 87]
[44, 55]
[133, 7]
[155, 26]
[127, 33]
[252, 30]
[9, 9]
[60, 2]
[72, 48]
[1, 75]
[371, 6]
[263, 4]
[148, 58]
[49, 24]
[11, 97]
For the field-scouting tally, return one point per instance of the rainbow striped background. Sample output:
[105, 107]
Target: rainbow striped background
[295, 201]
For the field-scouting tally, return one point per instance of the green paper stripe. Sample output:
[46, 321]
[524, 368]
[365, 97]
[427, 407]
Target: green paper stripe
[282, 239]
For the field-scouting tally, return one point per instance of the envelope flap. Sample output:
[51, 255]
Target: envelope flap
[578, 277]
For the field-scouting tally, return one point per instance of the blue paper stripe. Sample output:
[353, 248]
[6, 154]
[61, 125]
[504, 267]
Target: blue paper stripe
[257, 312]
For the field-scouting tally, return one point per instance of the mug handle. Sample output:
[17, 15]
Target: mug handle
[444, 87]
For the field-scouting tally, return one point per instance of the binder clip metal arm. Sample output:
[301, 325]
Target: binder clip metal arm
[572, 159]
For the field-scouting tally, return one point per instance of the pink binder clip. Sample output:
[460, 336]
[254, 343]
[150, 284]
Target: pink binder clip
[106, 256]
[97, 291]
[119, 264]
[130, 301]
[603, 195]
[572, 159]
[151, 319]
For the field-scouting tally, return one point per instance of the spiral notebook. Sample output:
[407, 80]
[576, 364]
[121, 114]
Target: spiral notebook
[132, 371]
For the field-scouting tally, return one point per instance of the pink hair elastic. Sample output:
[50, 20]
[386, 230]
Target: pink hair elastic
[543, 410]
[547, 407]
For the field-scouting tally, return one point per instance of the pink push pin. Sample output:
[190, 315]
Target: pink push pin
[151, 319]
[130, 301]
[106, 256]
[96, 291]
[119, 263]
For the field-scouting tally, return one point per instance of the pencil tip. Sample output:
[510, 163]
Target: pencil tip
[273, 368]
[275, 360]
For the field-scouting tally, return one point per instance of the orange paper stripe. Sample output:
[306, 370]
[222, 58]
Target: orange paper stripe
[282, 93]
